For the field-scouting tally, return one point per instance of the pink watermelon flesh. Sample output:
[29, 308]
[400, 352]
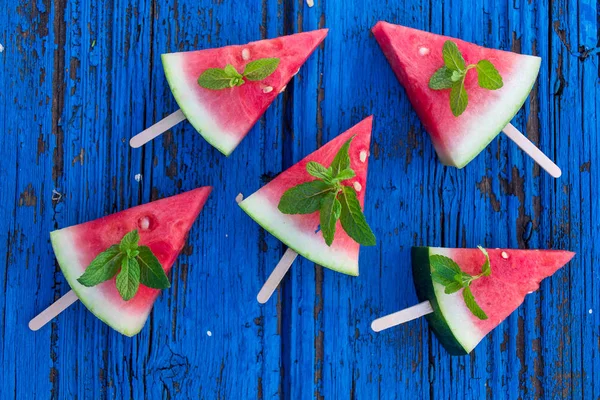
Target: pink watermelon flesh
[515, 273]
[415, 55]
[163, 225]
[299, 231]
[224, 117]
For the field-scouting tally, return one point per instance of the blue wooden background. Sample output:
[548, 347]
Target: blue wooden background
[79, 78]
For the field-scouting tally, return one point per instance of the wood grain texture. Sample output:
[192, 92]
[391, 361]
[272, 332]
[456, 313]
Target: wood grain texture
[79, 78]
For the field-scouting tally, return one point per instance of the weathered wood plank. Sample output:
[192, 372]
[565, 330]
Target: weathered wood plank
[79, 78]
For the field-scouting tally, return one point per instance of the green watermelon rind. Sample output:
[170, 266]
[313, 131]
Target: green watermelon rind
[530, 73]
[192, 109]
[66, 256]
[254, 203]
[426, 292]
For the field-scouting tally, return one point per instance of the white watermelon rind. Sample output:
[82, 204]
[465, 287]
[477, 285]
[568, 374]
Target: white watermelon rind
[67, 255]
[310, 246]
[499, 114]
[193, 109]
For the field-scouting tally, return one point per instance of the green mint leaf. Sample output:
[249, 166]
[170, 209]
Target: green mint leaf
[486, 268]
[318, 171]
[304, 198]
[443, 269]
[152, 273]
[472, 304]
[464, 279]
[258, 70]
[441, 79]
[353, 220]
[458, 98]
[345, 175]
[456, 76]
[128, 280]
[341, 160]
[217, 79]
[452, 287]
[329, 213]
[488, 76]
[129, 242]
[231, 71]
[103, 267]
[452, 57]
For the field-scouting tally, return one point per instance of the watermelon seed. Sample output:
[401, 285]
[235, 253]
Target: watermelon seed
[590, 311]
[267, 89]
[209, 333]
[505, 255]
[145, 223]
[363, 156]
[246, 54]
[423, 51]
[357, 186]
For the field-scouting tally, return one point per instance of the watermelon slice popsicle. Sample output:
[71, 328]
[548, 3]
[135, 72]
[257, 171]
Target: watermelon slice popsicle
[241, 87]
[303, 233]
[462, 299]
[162, 226]
[492, 93]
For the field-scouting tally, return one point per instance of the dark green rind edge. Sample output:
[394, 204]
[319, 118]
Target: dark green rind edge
[71, 280]
[425, 292]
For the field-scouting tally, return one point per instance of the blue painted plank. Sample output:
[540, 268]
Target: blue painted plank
[79, 78]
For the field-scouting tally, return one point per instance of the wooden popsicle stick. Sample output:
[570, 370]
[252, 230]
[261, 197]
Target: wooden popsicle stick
[53, 310]
[528, 147]
[276, 276]
[157, 129]
[282, 267]
[400, 317]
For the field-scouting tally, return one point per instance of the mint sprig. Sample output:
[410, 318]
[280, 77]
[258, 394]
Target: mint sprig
[454, 72]
[132, 264]
[446, 272]
[228, 77]
[331, 198]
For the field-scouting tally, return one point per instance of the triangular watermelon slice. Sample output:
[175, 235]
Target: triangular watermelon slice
[224, 117]
[163, 225]
[415, 55]
[300, 232]
[515, 273]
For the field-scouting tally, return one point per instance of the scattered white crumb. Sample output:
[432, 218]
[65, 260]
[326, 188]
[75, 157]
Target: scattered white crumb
[246, 54]
[267, 89]
[56, 196]
[138, 177]
[283, 89]
[357, 186]
[145, 223]
[590, 311]
[423, 50]
[505, 255]
[239, 198]
[226, 235]
[209, 333]
[363, 156]
[310, 3]
[1, 48]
